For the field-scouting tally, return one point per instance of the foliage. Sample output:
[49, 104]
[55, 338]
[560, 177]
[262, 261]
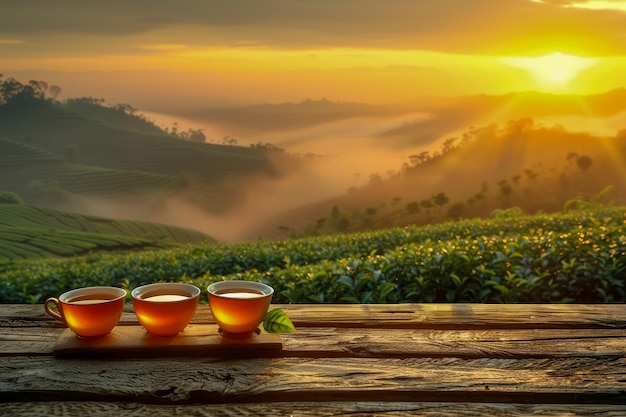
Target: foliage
[277, 321]
[506, 213]
[578, 256]
[590, 203]
[8, 197]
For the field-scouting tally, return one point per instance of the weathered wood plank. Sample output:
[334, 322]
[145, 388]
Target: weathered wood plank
[444, 316]
[310, 409]
[191, 381]
[393, 343]
[497, 343]
[463, 316]
[28, 341]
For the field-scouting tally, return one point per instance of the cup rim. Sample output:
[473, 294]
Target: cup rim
[235, 283]
[118, 292]
[193, 290]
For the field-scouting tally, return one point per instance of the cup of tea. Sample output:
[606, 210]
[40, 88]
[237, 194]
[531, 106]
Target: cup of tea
[166, 308]
[238, 307]
[88, 311]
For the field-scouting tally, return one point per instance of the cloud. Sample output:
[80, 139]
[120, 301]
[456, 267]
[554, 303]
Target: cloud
[600, 5]
[11, 41]
[459, 26]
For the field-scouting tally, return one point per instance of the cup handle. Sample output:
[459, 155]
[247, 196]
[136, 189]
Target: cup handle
[56, 314]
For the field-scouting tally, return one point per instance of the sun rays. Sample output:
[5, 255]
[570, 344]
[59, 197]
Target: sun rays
[553, 71]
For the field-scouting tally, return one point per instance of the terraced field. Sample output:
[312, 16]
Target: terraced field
[54, 153]
[86, 180]
[28, 232]
[14, 153]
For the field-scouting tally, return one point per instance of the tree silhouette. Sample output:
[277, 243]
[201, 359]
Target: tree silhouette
[505, 188]
[455, 210]
[54, 91]
[440, 199]
[413, 207]
[584, 162]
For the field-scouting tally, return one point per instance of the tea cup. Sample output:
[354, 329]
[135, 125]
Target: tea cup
[166, 308]
[88, 311]
[238, 307]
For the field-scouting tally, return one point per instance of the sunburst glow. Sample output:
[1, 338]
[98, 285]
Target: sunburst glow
[552, 71]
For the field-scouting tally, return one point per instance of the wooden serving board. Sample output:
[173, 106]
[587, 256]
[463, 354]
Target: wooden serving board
[195, 340]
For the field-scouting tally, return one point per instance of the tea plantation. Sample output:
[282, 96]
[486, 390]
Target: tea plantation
[571, 257]
[28, 232]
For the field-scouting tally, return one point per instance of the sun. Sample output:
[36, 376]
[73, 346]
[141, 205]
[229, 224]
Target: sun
[553, 71]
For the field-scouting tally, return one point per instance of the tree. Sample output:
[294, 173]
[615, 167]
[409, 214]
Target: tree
[343, 224]
[54, 91]
[375, 179]
[584, 162]
[9, 197]
[370, 211]
[505, 188]
[455, 210]
[440, 199]
[9, 89]
[520, 126]
[413, 207]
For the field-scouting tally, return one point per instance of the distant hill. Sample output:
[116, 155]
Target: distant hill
[459, 113]
[466, 156]
[287, 116]
[518, 164]
[31, 232]
[110, 143]
[83, 156]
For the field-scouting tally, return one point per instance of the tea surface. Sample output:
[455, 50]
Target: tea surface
[164, 298]
[240, 293]
[90, 299]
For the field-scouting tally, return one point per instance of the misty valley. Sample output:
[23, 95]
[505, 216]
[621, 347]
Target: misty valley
[512, 198]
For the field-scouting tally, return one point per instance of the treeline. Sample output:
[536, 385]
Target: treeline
[534, 189]
[12, 90]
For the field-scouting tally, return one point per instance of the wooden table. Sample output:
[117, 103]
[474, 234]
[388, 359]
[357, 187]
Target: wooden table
[391, 360]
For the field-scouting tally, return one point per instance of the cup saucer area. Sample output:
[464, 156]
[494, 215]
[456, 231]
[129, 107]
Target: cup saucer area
[246, 335]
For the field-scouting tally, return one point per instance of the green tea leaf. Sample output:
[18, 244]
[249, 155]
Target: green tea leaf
[277, 321]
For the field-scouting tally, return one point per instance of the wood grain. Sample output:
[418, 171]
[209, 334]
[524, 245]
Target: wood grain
[309, 409]
[442, 316]
[189, 381]
[395, 343]
[459, 316]
[392, 360]
[195, 340]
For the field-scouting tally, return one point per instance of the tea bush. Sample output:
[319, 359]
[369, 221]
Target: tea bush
[567, 257]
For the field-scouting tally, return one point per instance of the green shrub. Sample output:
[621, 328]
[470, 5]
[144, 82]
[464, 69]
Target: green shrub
[8, 197]
[568, 257]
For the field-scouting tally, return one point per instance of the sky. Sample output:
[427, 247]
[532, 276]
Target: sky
[160, 54]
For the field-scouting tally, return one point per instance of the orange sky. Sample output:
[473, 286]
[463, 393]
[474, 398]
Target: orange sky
[159, 54]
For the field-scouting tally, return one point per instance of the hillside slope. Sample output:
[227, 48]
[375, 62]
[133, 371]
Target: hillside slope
[85, 157]
[31, 232]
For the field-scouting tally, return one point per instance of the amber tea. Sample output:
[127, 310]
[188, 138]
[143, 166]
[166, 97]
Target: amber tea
[89, 311]
[238, 307]
[165, 309]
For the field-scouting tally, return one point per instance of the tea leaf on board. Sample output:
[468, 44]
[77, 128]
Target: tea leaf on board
[277, 321]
